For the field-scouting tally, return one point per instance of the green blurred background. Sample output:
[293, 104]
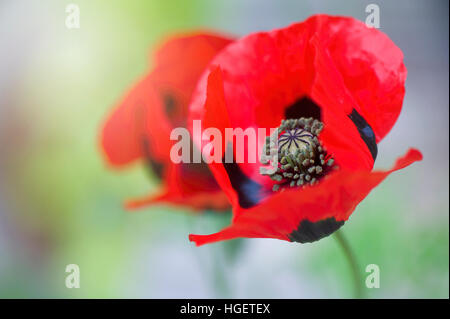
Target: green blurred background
[59, 204]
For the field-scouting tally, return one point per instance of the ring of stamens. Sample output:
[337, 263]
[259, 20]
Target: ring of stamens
[297, 156]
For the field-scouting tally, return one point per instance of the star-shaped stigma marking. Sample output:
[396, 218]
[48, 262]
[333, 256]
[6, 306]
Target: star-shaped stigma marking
[294, 139]
[300, 159]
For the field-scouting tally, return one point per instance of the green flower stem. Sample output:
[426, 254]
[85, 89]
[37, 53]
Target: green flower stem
[219, 272]
[216, 259]
[359, 289]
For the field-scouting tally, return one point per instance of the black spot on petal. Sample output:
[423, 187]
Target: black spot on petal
[170, 105]
[249, 192]
[304, 107]
[153, 166]
[365, 131]
[308, 232]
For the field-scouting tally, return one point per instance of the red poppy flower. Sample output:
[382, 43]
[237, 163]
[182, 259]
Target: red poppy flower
[339, 86]
[139, 127]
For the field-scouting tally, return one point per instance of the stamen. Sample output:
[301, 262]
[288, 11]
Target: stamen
[297, 156]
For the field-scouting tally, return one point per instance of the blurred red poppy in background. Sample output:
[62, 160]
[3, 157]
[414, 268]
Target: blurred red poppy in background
[139, 127]
[334, 88]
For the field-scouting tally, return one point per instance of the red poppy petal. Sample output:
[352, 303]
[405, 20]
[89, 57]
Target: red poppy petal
[189, 185]
[199, 201]
[198, 48]
[140, 125]
[371, 66]
[179, 64]
[126, 134]
[340, 134]
[265, 74]
[281, 215]
[237, 185]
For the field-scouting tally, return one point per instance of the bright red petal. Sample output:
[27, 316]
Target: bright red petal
[189, 185]
[200, 201]
[179, 64]
[371, 66]
[281, 215]
[136, 128]
[158, 102]
[140, 126]
[264, 75]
